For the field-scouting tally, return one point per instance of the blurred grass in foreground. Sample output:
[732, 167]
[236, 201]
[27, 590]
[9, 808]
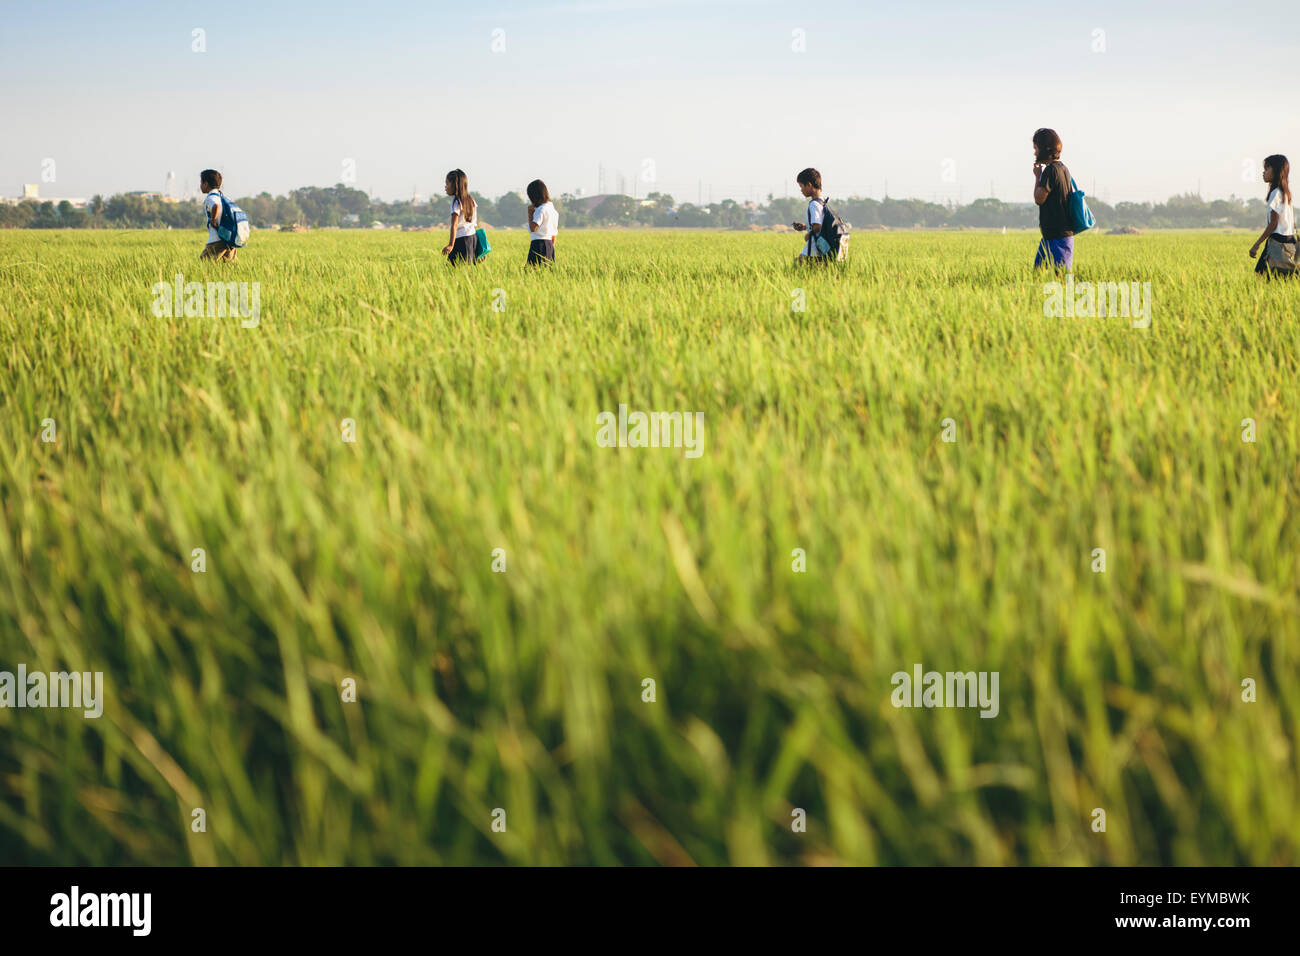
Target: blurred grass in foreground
[523, 690]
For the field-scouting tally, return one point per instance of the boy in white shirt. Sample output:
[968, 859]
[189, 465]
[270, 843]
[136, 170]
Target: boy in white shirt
[213, 207]
[809, 182]
[543, 224]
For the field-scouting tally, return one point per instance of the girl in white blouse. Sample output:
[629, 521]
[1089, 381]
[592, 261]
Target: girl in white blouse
[1281, 215]
[461, 246]
[543, 224]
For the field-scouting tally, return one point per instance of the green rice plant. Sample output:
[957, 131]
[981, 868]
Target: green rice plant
[828, 398]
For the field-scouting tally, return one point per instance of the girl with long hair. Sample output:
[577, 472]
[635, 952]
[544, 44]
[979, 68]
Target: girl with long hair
[543, 224]
[461, 246]
[1278, 236]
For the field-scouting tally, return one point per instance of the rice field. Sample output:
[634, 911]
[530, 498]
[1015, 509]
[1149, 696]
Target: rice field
[365, 587]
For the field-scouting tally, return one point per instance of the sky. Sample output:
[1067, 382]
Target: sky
[702, 99]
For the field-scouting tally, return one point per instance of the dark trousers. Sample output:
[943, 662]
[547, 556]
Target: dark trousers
[464, 250]
[219, 250]
[541, 251]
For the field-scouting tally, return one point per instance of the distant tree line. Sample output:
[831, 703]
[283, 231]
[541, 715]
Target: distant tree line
[344, 207]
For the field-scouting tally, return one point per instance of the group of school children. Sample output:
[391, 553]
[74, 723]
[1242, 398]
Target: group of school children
[827, 238]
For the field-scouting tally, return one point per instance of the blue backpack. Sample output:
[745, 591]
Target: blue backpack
[1080, 215]
[833, 232]
[232, 227]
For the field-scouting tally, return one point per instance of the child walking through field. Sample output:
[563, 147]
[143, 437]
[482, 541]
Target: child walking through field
[462, 245]
[828, 233]
[809, 182]
[1052, 194]
[213, 203]
[543, 224]
[1278, 237]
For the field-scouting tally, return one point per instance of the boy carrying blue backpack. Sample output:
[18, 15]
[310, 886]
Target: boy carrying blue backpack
[828, 234]
[227, 223]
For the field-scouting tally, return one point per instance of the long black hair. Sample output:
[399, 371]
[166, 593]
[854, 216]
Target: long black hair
[1281, 173]
[459, 184]
[538, 194]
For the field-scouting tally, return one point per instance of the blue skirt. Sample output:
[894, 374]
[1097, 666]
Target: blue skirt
[1060, 250]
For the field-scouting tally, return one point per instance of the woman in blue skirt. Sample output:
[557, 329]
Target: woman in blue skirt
[1052, 194]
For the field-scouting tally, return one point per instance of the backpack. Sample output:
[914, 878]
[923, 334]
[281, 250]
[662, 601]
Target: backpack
[834, 229]
[232, 227]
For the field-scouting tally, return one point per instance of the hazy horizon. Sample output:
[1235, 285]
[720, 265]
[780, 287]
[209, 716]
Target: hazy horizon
[704, 101]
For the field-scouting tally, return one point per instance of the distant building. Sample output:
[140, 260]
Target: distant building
[32, 193]
[589, 204]
[153, 196]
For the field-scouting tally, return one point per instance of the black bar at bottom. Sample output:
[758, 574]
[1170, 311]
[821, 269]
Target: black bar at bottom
[218, 906]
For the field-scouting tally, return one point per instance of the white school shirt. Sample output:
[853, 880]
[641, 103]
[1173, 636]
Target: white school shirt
[1285, 213]
[464, 228]
[548, 221]
[210, 200]
[814, 218]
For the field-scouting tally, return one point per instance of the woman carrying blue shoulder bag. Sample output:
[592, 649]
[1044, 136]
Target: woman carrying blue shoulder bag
[1062, 208]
